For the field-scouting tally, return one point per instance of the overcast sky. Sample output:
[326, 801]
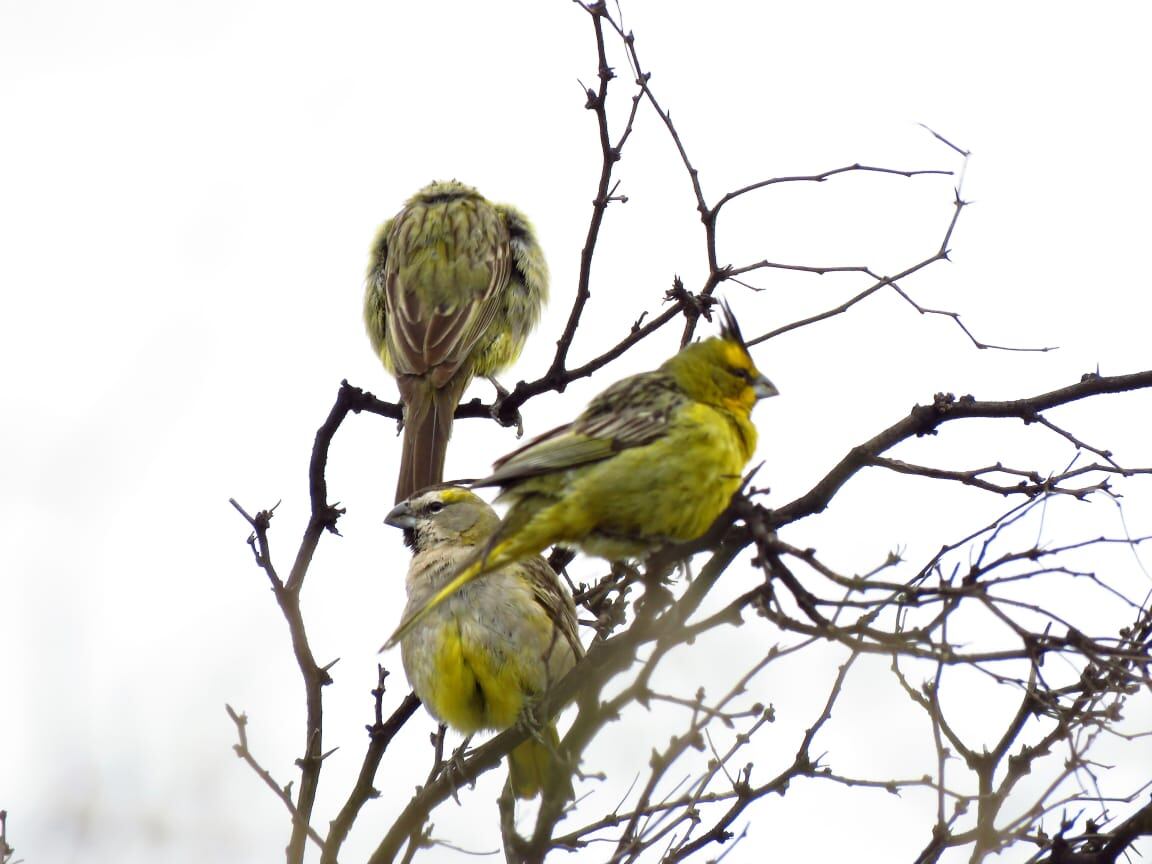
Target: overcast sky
[187, 197]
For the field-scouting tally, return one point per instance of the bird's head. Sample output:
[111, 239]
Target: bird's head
[440, 191]
[443, 514]
[720, 371]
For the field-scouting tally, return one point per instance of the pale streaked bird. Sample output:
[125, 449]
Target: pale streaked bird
[497, 644]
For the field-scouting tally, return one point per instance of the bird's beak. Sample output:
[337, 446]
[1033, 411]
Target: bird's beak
[761, 386]
[401, 516]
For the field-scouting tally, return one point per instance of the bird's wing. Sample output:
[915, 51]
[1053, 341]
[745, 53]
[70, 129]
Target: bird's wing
[632, 412]
[434, 327]
[375, 309]
[549, 593]
[528, 265]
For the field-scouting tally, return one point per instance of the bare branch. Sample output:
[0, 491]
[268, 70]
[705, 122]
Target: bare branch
[284, 793]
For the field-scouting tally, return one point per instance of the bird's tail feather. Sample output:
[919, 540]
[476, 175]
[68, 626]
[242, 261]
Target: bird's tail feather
[428, 412]
[537, 764]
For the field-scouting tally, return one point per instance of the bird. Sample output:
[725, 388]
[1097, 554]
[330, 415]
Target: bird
[653, 459]
[482, 657]
[455, 284]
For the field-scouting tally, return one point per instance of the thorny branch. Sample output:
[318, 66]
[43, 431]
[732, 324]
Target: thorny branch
[926, 419]
[322, 518]
[284, 793]
[380, 735]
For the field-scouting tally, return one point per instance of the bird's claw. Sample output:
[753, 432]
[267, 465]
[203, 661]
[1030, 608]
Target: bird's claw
[519, 419]
[529, 722]
[453, 768]
[502, 392]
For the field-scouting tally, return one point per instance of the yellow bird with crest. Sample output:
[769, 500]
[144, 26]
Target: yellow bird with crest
[653, 459]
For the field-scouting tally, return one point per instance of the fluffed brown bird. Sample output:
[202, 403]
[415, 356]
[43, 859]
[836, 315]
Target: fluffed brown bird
[454, 287]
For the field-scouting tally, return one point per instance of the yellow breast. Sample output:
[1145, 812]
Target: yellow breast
[480, 654]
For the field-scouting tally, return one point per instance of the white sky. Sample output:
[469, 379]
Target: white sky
[187, 196]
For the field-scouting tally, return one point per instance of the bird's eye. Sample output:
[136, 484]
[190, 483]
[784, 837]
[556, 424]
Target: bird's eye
[741, 372]
[435, 507]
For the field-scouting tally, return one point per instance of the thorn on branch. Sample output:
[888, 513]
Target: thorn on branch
[325, 678]
[693, 305]
[329, 516]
